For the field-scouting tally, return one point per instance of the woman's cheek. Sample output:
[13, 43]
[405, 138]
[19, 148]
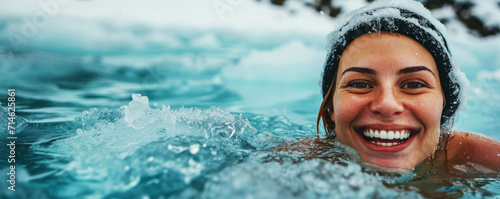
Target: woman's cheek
[349, 106]
[346, 109]
[428, 109]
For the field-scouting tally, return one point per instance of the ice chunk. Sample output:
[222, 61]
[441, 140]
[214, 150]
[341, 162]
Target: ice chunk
[136, 112]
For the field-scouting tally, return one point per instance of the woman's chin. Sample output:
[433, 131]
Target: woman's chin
[390, 158]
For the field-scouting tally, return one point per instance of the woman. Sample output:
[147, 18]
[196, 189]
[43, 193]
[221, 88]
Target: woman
[391, 90]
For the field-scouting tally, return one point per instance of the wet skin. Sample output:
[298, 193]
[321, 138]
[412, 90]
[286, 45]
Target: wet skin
[388, 84]
[473, 150]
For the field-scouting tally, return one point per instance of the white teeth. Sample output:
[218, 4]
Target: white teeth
[383, 134]
[385, 144]
[389, 135]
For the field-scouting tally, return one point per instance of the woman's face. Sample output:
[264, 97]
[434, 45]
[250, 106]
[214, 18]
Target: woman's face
[388, 100]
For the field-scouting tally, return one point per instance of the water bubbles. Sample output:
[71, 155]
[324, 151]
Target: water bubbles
[130, 178]
[225, 130]
[193, 149]
[311, 179]
[176, 149]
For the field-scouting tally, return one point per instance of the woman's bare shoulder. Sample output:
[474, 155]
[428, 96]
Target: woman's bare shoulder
[466, 147]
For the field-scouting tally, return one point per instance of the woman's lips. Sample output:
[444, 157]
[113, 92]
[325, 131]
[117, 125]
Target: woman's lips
[387, 139]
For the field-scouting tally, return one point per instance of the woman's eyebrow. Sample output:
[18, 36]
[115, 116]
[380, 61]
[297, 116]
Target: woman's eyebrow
[413, 69]
[360, 70]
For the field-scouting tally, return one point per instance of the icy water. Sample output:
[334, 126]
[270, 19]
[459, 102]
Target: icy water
[107, 110]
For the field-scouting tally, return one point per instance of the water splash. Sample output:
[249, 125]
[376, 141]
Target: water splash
[151, 148]
[311, 179]
[139, 151]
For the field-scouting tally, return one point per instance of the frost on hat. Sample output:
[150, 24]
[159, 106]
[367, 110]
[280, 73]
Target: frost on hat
[409, 18]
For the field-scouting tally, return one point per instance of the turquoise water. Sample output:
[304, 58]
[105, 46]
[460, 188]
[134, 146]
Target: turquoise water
[199, 116]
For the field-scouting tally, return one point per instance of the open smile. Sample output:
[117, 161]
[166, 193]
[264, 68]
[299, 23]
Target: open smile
[387, 140]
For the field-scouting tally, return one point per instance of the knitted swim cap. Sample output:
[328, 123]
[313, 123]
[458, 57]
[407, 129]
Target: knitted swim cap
[409, 18]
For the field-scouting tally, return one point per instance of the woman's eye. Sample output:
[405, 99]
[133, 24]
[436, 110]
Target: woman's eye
[414, 85]
[356, 84]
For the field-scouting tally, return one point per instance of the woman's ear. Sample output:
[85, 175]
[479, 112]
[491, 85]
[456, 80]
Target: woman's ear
[444, 98]
[332, 115]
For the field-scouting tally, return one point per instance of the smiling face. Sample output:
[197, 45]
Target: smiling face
[388, 100]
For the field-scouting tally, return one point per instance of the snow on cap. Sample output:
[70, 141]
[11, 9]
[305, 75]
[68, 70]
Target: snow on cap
[409, 18]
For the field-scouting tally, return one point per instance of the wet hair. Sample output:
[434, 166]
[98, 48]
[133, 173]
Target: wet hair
[406, 22]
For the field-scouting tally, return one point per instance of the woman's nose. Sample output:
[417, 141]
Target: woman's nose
[386, 103]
